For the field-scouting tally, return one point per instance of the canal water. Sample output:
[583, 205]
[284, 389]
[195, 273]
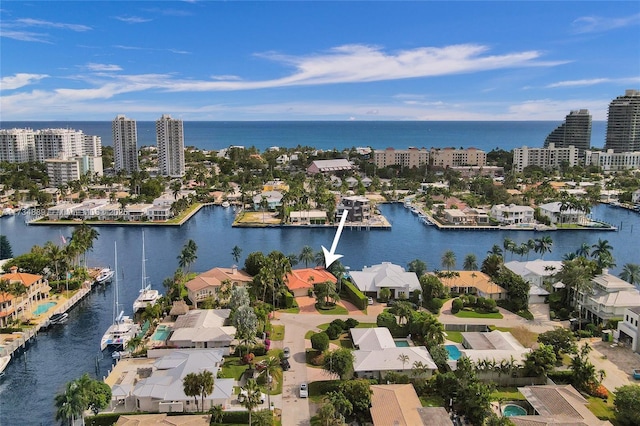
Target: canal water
[65, 353]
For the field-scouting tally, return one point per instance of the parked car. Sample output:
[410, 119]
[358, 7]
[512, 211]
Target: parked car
[286, 353]
[243, 394]
[370, 300]
[304, 391]
[285, 364]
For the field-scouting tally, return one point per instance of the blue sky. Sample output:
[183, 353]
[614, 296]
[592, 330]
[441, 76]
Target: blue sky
[207, 60]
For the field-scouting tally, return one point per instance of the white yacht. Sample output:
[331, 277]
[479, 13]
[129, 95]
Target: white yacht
[147, 296]
[123, 328]
[105, 276]
[4, 361]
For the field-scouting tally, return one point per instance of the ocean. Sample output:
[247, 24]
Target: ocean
[328, 135]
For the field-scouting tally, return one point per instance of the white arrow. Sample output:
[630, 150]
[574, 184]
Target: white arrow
[330, 256]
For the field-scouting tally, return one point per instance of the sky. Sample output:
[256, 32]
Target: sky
[315, 60]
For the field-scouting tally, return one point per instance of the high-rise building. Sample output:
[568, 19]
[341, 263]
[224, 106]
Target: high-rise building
[550, 158]
[53, 143]
[170, 139]
[623, 123]
[125, 144]
[92, 146]
[575, 131]
[17, 145]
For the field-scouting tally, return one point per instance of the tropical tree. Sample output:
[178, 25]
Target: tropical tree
[602, 254]
[631, 273]
[70, 403]
[339, 362]
[385, 294]
[543, 245]
[626, 405]
[235, 253]
[5, 248]
[418, 266]
[271, 369]
[540, 361]
[583, 250]
[448, 260]
[206, 381]
[470, 263]
[576, 276]
[509, 245]
[327, 415]
[133, 343]
[307, 255]
[495, 250]
[191, 386]
[403, 358]
[188, 255]
[252, 396]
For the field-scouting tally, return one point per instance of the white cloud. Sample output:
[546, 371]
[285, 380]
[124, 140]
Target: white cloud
[19, 80]
[29, 22]
[592, 24]
[593, 82]
[24, 35]
[102, 67]
[132, 19]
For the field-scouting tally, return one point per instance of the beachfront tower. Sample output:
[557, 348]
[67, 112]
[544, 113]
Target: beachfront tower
[170, 139]
[575, 131]
[125, 144]
[623, 123]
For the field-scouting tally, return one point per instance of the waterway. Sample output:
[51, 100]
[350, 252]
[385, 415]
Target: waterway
[65, 353]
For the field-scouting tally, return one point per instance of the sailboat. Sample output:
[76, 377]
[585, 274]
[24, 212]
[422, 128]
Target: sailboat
[123, 328]
[147, 296]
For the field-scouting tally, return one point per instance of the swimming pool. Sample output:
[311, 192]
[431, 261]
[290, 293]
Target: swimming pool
[513, 410]
[454, 352]
[401, 343]
[41, 309]
[161, 333]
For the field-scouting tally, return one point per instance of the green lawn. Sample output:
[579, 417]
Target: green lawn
[294, 310]
[473, 314]
[277, 332]
[233, 368]
[317, 390]
[367, 325]
[507, 394]
[454, 336]
[431, 401]
[336, 310]
[601, 409]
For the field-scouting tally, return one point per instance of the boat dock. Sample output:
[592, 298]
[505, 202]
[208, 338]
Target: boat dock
[15, 342]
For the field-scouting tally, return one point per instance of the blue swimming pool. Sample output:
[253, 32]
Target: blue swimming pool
[161, 333]
[41, 309]
[401, 343]
[454, 352]
[513, 410]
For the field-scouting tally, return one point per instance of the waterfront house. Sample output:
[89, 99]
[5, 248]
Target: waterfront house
[358, 208]
[272, 198]
[300, 281]
[203, 329]
[329, 166]
[476, 216]
[16, 306]
[512, 214]
[386, 275]
[628, 328]
[635, 197]
[557, 213]
[495, 345]
[154, 384]
[111, 211]
[539, 273]
[608, 298]
[455, 216]
[88, 209]
[308, 217]
[136, 212]
[208, 284]
[474, 282]
[61, 211]
[556, 404]
[376, 354]
[275, 185]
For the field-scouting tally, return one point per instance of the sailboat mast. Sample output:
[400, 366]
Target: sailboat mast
[144, 269]
[115, 291]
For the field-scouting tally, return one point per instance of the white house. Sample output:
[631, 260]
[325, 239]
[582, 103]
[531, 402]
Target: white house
[537, 273]
[512, 214]
[203, 329]
[377, 354]
[496, 345]
[273, 199]
[635, 196]
[608, 298]
[557, 214]
[628, 328]
[386, 275]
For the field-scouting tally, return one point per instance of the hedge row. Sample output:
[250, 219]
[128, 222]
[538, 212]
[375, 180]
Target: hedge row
[355, 295]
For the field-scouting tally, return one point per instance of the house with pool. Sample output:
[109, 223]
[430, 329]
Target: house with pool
[210, 284]
[377, 353]
[203, 329]
[34, 302]
[495, 346]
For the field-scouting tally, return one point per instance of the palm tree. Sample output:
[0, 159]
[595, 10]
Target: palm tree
[470, 263]
[404, 358]
[133, 343]
[631, 273]
[307, 255]
[448, 260]
[509, 245]
[252, 398]
[70, 403]
[543, 245]
[602, 253]
[495, 250]
[583, 250]
[207, 381]
[271, 369]
[236, 252]
[191, 386]
[188, 255]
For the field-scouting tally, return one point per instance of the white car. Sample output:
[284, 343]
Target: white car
[370, 300]
[243, 394]
[304, 391]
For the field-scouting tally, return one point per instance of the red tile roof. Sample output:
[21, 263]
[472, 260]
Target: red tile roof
[306, 278]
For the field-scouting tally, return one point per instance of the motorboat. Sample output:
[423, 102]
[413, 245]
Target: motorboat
[147, 296]
[56, 319]
[105, 276]
[4, 361]
[225, 204]
[123, 328]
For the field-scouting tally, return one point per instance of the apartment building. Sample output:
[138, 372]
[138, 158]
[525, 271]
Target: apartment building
[125, 144]
[623, 123]
[411, 157]
[17, 145]
[170, 140]
[574, 131]
[610, 161]
[549, 158]
[359, 208]
[451, 157]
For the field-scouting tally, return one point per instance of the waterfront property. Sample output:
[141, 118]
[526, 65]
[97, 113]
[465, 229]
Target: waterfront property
[539, 273]
[607, 298]
[474, 282]
[301, 281]
[386, 275]
[154, 384]
[203, 329]
[559, 214]
[495, 345]
[209, 284]
[627, 331]
[13, 307]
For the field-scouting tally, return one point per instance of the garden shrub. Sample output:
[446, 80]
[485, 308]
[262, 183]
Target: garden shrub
[320, 341]
[456, 306]
[334, 331]
[338, 323]
[434, 305]
[351, 323]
